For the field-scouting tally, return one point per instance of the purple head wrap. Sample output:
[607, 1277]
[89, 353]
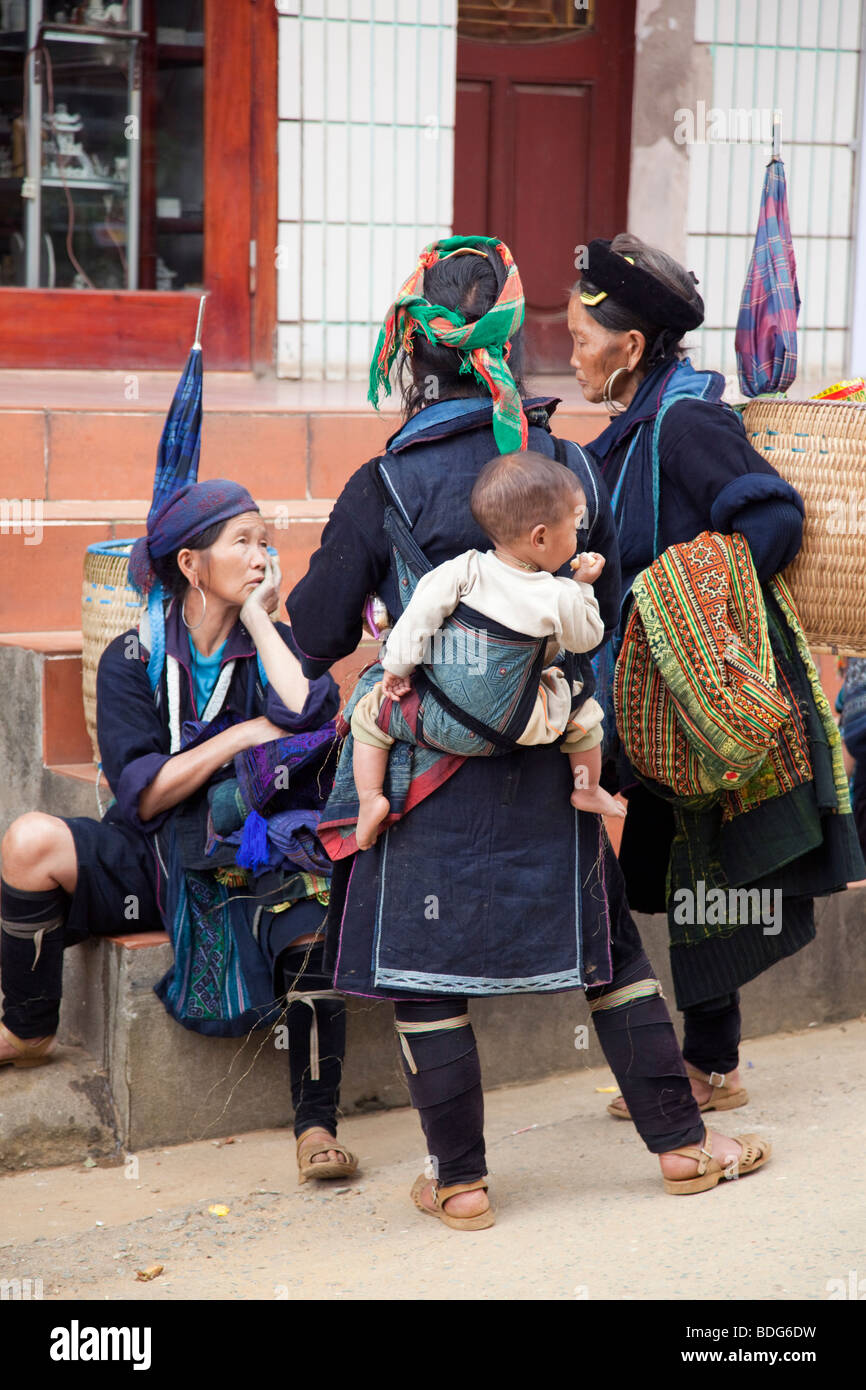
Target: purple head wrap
[180, 518]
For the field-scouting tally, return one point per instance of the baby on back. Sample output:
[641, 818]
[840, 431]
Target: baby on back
[530, 507]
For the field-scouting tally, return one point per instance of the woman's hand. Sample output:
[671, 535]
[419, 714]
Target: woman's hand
[587, 567]
[267, 596]
[259, 730]
[282, 667]
[395, 686]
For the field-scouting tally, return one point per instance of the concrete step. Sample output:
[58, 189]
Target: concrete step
[42, 723]
[172, 1085]
[60, 1113]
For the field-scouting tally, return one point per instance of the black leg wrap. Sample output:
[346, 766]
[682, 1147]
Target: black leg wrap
[446, 1090]
[641, 1048]
[315, 1101]
[31, 959]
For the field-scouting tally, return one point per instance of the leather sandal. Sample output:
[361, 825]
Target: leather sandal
[440, 1197]
[755, 1153]
[723, 1097]
[30, 1054]
[309, 1145]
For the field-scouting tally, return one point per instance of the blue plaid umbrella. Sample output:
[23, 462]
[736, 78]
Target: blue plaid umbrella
[766, 338]
[180, 441]
[176, 465]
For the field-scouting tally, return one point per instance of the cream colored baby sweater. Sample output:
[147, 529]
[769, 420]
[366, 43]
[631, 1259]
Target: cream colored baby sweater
[533, 602]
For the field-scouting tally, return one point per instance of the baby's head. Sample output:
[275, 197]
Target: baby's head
[531, 505]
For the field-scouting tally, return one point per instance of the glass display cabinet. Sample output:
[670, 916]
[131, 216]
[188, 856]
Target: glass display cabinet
[70, 160]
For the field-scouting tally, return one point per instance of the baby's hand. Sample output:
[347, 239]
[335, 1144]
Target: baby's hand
[587, 567]
[395, 686]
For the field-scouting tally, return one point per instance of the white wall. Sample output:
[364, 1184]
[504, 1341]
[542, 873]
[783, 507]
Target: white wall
[801, 56]
[365, 158]
[857, 354]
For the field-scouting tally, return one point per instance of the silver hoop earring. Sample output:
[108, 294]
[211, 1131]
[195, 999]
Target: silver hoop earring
[192, 628]
[613, 407]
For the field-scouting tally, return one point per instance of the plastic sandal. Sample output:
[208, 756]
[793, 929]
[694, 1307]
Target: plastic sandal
[440, 1197]
[30, 1054]
[309, 1144]
[755, 1153]
[723, 1098]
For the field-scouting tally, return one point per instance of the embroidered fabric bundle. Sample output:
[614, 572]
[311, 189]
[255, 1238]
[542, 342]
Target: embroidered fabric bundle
[695, 691]
[267, 769]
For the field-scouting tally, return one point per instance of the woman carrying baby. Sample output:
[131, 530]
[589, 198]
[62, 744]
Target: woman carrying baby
[486, 880]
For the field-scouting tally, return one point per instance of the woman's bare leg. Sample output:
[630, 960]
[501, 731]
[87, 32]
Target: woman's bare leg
[38, 853]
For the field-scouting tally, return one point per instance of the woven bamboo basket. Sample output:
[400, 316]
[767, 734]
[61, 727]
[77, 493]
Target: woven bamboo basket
[109, 606]
[820, 448]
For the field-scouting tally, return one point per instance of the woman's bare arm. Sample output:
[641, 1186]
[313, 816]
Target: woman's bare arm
[281, 665]
[185, 772]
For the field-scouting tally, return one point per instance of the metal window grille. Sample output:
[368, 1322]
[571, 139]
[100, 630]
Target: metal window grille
[803, 58]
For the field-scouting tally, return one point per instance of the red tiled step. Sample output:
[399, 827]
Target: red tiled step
[69, 434]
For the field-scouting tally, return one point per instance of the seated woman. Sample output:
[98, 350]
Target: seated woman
[215, 690]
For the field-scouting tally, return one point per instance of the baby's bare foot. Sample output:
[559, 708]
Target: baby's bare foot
[372, 810]
[596, 800]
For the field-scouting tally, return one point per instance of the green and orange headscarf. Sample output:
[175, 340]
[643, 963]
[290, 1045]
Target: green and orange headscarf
[484, 345]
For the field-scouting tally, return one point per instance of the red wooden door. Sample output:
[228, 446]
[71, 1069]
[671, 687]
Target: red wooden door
[542, 145]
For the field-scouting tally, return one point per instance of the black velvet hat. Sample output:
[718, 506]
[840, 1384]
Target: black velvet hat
[637, 289]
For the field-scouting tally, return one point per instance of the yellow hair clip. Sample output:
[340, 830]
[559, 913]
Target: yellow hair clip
[602, 294]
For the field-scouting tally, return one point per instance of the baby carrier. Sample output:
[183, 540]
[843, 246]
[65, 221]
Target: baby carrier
[479, 664]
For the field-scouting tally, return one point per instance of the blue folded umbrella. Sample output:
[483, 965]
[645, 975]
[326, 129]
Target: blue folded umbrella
[176, 465]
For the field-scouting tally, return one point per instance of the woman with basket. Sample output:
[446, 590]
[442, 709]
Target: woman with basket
[216, 747]
[486, 880]
[677, 463]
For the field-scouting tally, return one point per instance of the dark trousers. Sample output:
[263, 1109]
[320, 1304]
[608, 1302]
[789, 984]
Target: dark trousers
[711, 1041]
[712, 1029]
[445, 1088]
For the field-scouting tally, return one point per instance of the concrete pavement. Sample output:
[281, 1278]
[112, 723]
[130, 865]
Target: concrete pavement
[581, 1211]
